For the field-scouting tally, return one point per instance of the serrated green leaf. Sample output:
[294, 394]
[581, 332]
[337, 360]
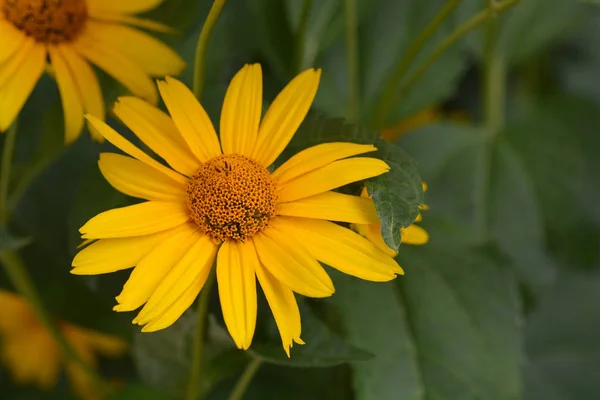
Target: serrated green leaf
[323, 347]
[447, 329]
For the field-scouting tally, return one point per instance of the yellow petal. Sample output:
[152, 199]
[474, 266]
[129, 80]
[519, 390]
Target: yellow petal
[316, 157]
[341, 248]
[332, 206]
[86, 82]
[136, 220]
[154, 267]
[285, 115]
[158, 132]
[127, 147]
[292, 264]
[101, 343]
[196, 262]
[12, 40]
[331, 176]
[19, 84]
[153, 56]
[190, 118]
[69, 93]
[136, 179]
[184, 302]
[14, 312]
[373, 233]
[120, 6]
[283, 306]
[241, 112]
[133, 21]
[130, 75]
[15, 63]
[236, 265]
[415, 235]
[110, 255]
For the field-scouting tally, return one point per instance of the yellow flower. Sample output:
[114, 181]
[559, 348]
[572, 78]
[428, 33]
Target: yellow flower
[33, 356]
[71, 34]
[412, 234]
[219, 201]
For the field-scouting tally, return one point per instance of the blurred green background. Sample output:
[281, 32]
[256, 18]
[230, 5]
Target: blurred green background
[502, 303]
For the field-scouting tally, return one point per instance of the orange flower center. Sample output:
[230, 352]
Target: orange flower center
[231, 197]
[47, 21]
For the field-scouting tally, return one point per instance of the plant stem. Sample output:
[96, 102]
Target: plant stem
[195, 380]
[388, 97]
[450, 40]
[22, 282]
[200, 56]
[300, 37]
[242, 384]
[352, 54]
[7, 155]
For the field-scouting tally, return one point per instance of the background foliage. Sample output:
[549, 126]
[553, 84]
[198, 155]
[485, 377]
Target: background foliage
[501, 304]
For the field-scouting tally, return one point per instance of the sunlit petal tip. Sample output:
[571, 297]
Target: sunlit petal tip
[299, 341]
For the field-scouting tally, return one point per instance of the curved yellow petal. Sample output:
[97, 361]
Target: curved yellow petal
[158, 132]
[153, 56]
[196, 262]
[136, 179]
[332, 206]
[120, 6]
[127, 147]
[133, 21]
[111, 255]
[242, 108]
[373, 233]
[292, 264]
[154, 267]
[316, 157]
[18, 84]
[69, 93]
[86, 82]
[12, 40]
[283, 306]
[122, 69]
[136, 220]
[101, 343]
[341, 248]
[190, 118]
[236, 265]
[414, 235]
[331, 176]
[17, 61]
[285, 115]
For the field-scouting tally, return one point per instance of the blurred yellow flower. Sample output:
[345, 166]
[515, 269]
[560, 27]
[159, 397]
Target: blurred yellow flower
[412, 234]
[219, 201]
[71, 34]
[33, 356]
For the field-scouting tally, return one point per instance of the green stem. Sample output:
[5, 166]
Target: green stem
[352, 54]
[7, 155]
[242, 384]
[195, 380]
[388, 97]
[199, 60]
[450, 40]
[300, 37]
[22, 282]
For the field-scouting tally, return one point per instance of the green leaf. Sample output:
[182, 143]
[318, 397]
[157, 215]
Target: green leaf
[8, 241]
[448, 329]
[563, 341]
[323, 347]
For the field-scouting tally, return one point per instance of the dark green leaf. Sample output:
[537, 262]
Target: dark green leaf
[8, 241]
[323, 347]
[448, 329]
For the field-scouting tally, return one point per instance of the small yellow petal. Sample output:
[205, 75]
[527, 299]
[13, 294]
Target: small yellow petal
[241, 112]
[134, 21]
[12, 40]
[122, 7]
[331, 176]
[285, 115]
[414, 235]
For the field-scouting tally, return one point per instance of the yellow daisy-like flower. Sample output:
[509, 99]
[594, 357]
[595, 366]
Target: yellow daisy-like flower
[33, 356]
[71, 34]
[412, 234]
[220, 200]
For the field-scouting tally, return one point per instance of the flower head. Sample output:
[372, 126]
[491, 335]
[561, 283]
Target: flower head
[218, 200]
[33, 356]
[71, 34]
[412, 234]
